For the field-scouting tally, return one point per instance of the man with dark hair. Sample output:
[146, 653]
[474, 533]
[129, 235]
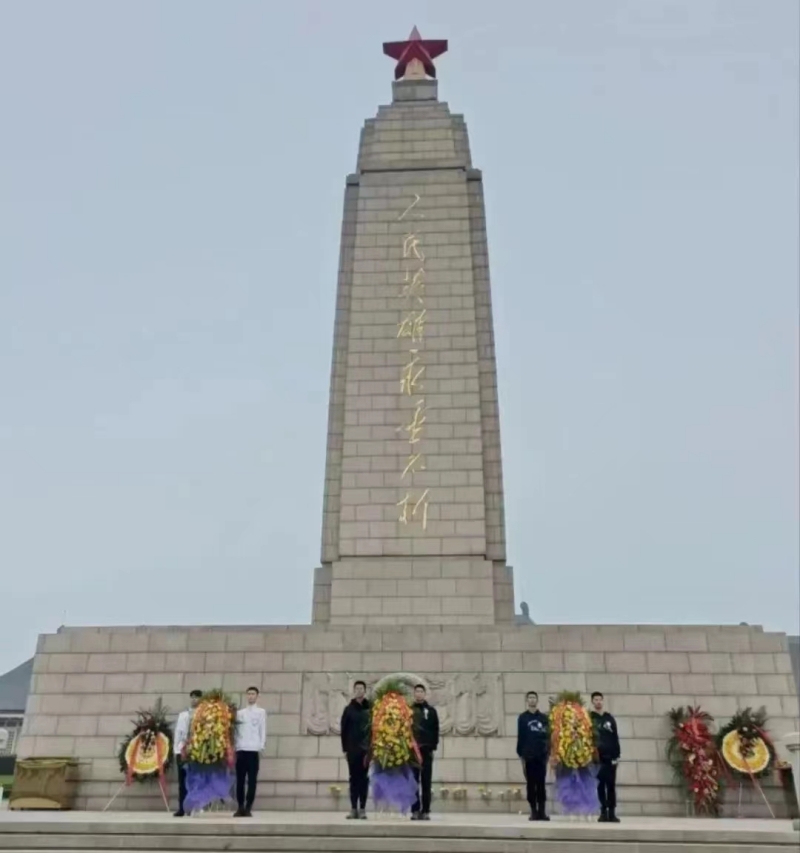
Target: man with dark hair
[181, 736]
[606, 738]
[533, 747]
[355, 745]
[251, 737]
[426, 734]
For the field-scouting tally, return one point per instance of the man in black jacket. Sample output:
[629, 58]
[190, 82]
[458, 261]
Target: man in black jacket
[426, 734]
[608, 752]
[533, 747]
[355, 745]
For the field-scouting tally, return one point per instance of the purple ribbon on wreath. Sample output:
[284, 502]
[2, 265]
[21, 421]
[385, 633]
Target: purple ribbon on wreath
[205, 786]
[576, 789]
[395, 788]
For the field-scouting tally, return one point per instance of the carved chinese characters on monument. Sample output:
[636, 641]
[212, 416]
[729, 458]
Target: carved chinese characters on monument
[469, 704]
[411, 331]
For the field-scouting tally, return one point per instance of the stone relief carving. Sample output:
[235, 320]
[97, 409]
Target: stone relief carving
[468, 703]
[325, 696]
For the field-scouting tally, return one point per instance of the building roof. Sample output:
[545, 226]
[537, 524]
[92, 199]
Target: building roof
[14, 687]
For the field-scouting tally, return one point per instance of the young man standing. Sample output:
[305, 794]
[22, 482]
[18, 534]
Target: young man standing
[355, 745]
[426, 734]
[533, 747]
[181, 736]
[251, 737]
[608, 752]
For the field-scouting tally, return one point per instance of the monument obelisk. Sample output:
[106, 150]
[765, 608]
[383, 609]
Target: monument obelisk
[413, 520]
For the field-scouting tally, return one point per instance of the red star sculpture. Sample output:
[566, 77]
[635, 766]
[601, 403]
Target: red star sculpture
[415, 48]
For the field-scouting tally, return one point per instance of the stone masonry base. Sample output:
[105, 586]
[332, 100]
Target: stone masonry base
[89, 682]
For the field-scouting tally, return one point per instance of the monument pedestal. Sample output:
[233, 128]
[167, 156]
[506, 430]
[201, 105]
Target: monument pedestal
[89, 682]
[425, 591]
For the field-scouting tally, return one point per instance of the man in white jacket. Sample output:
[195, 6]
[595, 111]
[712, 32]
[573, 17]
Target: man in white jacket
[181, 736]
[251, 737]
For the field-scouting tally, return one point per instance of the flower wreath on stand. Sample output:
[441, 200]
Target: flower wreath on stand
[394, 752]
[572, 753]
[745, 745]
[209, 751]
[693, 754]
[146, 753]
[747, 749]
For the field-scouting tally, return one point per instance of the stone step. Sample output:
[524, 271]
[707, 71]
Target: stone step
[454, 845]
[445, 834]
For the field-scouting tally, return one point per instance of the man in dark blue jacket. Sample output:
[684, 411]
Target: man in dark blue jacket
[606, 738]
[533, 747]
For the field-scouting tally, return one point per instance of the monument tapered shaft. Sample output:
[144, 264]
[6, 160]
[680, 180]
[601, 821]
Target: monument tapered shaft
[414, 467]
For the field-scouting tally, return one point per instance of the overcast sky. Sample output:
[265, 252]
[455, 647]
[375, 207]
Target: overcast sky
[171, 182]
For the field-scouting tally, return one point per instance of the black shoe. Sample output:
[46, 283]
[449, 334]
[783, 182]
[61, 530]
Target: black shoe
[533, 816]
[543, 816]
[180, 813]
[239, 812]
[425, 816]
[612, 817]
[247, 813]
[603, 817]
[416, 816]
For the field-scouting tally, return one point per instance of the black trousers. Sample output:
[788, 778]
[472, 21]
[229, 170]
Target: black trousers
[246, 769]
[359, 779]
[607, 786]
[424, 777]
[535, 775]
[181, 784]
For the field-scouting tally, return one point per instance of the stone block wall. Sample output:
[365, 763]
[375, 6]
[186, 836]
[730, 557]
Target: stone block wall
[432, 591]
[444, 349]
[88, 683]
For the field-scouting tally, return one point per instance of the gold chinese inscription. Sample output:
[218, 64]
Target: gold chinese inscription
[411, 247]
[411, 206]
[409, 378]
[414, 506]
[414, 428]
[412, 326]
[415, 509]
[415, 463]
[414, 287]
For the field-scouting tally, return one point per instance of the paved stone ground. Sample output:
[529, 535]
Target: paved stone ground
[329, 832]
[633, 825]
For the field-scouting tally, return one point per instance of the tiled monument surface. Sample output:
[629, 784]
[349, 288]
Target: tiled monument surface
[413, 577]
[89, 682]
[414, 467]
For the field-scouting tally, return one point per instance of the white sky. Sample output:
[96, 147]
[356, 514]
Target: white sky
[171, 181]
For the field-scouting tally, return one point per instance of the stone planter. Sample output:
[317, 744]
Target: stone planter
[44, 783]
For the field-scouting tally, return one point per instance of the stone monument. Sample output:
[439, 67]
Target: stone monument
[413, 529]
[413, 577]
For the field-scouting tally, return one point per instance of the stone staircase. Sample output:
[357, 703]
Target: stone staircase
[328, 834]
